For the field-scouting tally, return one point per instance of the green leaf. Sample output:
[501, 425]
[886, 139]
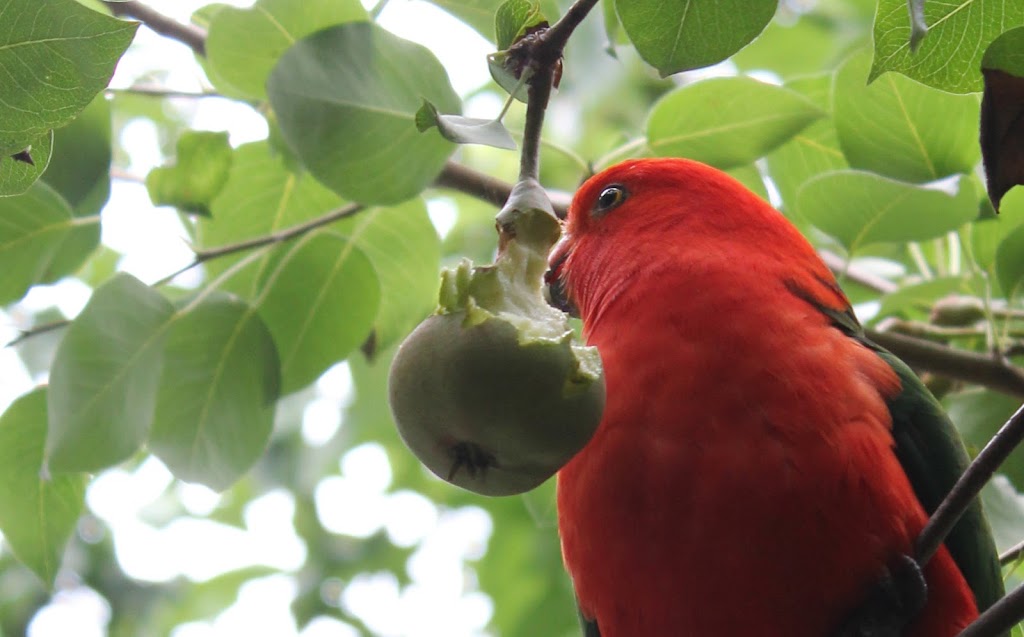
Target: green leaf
[513, 19]
[480, 14]
[346, 100]
[949, 58]
[901, 129]
[33, 227]
[860, 208]
[987, 234]
[405, 251]
[104, 378]
[978, 414]
[1006, 53]
[713, 122]
[37, 514]
[260, 197]
[272, 26]
[464, 130]
[80, 165]
[679, 36]
[1010, 262]
[215, 404]
[18, 175]
[812, 151]
[55, 56]
[750, 177]
[791, 49]
[914, 302]
[320, 302]
[198, 174]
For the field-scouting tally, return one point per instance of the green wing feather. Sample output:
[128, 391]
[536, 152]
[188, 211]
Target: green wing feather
[933, 457]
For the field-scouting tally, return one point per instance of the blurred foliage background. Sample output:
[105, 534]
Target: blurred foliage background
[239, 124]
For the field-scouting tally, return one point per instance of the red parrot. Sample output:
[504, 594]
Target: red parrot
[761, 466]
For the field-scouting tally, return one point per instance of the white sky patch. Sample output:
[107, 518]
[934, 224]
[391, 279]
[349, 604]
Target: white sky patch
[336, 383]
[328, 627]
[443, 214]
[409, 517]
[197, 499]
[152, 240]
[321, 419]
[81, 612]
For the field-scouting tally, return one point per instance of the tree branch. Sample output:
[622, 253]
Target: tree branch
[191, 36]
[968, 486]
[999, 618]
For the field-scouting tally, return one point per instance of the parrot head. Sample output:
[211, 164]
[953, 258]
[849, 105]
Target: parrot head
[644, 215]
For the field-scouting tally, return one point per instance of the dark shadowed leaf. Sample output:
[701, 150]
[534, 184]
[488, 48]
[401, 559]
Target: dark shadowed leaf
[215, 405]
[679, 36]
[1002, 114]
[464, 130]
[37, 514]
[712, 121]
[198, 174]
[346, 100]
[105, 375]
[33, 230]
[55, 56]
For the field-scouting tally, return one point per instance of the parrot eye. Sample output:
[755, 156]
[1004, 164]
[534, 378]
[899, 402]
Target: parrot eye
[610, 197]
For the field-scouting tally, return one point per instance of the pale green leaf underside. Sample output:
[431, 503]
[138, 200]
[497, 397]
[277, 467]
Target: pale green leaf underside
[860, 208]
[37, 515]
[712, 121]
[215, 404]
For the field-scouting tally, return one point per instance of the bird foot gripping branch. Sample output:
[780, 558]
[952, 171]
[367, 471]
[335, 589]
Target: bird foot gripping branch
[492, 392]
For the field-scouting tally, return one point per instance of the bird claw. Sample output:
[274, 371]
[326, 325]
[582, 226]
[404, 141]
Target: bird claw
[892, 603]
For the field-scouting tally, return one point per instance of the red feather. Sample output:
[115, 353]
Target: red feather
[743, 480]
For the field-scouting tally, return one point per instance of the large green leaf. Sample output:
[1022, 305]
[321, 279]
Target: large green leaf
[812, 151]
[80, 171]
[104, 378]
[949, 57]
[17, 176]
[37, 513]
[55, 56]
[1006, 53]
[80, 166]
[713, 122]
[346, 100]
[978, 414]
[260, 197]
[215, 405]
[899, 128]
[199, 171]
[320, 301]
[679, 36]
[405, 251]
[861, 208]
[33, 227]
[987, 234]
[480, 14]
[240, 68]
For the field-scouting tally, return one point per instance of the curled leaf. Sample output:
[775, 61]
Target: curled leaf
[464, 130]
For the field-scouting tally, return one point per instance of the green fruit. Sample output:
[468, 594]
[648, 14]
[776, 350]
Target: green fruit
[485, 411]
[491, 393]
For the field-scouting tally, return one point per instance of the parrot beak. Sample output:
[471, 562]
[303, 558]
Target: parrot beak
[555, 281]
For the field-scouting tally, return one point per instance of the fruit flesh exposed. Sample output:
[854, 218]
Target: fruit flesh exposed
[492, 393]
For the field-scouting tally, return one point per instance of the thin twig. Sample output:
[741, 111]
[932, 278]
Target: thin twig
[187, 34]
[968, 486]
[1010, 556]
[281, 235]
[157, 91]
[999, 618]
[36, 331]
